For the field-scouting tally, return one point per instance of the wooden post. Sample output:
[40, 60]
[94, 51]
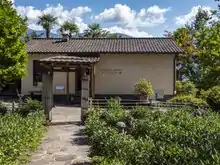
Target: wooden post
[67, 86]
[47, 94]
[93, 82]
[85, 97]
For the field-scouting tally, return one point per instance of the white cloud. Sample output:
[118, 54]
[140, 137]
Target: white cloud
[74, 15]
[183, 19]
[29, 11]
[134, 32]
[123, 14]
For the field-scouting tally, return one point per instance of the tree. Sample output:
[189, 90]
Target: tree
[47, 21]
[185, 61]
[95, 31]
[71, 28]
[209, 57]
[13, 56]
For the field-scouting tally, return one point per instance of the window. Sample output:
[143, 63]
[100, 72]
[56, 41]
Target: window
[37, 72]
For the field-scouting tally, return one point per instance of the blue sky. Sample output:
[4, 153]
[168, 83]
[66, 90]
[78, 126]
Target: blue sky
[138, 18]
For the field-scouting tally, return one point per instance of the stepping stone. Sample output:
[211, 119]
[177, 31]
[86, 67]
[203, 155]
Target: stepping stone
[64, 157]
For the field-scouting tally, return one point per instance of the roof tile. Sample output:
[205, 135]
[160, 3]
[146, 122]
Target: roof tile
[104, 45]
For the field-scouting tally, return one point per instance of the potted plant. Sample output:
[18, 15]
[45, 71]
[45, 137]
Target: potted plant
[144, 88]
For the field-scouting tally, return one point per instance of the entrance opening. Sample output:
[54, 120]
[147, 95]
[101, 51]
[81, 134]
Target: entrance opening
[78, 79]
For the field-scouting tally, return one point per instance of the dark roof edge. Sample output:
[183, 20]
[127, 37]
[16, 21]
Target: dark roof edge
[95, 53]
[104, 38]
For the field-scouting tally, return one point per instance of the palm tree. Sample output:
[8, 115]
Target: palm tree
[72, 28]
[95, 31]
[47, 21]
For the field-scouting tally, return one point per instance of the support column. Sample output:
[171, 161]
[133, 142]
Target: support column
[93, 81]
[47, 94]
[68, 86]
[85, 97]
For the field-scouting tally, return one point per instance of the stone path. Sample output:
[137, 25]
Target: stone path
[63, 144]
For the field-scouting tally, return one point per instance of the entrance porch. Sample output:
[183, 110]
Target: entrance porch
[83, 66]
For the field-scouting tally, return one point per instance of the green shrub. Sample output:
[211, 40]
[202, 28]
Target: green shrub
[19, 136]
[29, 106]
[185, 88]
[213, 97]
[177, 137]
[189, 99]
[144, 88]
[3, 109]
[107, 161]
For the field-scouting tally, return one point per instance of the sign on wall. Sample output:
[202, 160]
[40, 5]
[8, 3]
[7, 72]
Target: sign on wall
[110, 72]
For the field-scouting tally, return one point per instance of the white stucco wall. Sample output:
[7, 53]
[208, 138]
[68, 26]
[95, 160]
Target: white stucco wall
[156, 68]
[59, 78]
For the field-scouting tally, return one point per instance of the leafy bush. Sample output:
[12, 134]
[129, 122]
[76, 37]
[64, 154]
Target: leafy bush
[213, 97]
[185, 88]
[189, 99]
[18, 136]
[177, 137]
[107, 161]
[144, 88]
[29, 106]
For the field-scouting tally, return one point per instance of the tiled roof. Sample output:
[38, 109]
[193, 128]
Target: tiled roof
[71, 59]
[104, 45]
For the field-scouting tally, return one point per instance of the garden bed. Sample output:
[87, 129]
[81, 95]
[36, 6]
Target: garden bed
[20, 132]
[178, 136]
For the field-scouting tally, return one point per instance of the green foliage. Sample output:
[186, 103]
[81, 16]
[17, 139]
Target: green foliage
[185, 88]
[208, 57]
[95, 31]
[107, 161]
[183, 136]
[12, 49]
[29, 106]
[47, 21]
[200, 41]
[70, 27]
[213, 97]
[144, 88]
[19, 136]
[185, 60]
[190, 99]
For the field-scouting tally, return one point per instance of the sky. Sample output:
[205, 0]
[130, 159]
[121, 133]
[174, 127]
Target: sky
[137, 18]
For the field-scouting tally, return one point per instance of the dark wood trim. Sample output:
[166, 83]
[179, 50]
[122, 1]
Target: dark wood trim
[67, 84]
[93, 81]
[174, 74]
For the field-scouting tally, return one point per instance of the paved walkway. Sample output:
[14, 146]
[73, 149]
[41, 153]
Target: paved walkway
[64, 144]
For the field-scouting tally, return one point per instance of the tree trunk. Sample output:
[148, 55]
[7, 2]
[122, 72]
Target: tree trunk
[48, 33]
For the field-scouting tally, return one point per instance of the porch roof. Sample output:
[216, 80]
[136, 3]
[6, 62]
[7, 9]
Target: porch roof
[70, 60]
[160, 45]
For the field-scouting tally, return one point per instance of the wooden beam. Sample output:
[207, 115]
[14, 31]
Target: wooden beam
[68, 66]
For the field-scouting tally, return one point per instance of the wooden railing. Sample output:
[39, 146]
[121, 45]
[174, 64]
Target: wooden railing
[128, 103]
[11, 106]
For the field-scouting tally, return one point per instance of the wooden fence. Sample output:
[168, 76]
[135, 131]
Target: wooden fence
[11, 106]
[128, 103]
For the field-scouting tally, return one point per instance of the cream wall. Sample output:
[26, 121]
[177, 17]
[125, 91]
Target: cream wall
[59, 78]
[108, 79]
[156, 68]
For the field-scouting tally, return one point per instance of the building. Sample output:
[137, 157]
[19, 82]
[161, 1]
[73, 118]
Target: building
[115, 65]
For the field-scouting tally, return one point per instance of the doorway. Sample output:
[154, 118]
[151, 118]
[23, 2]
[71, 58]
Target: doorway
[78, 82]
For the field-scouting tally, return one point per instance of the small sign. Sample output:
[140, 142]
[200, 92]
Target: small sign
[59, 87]
[111, 71]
